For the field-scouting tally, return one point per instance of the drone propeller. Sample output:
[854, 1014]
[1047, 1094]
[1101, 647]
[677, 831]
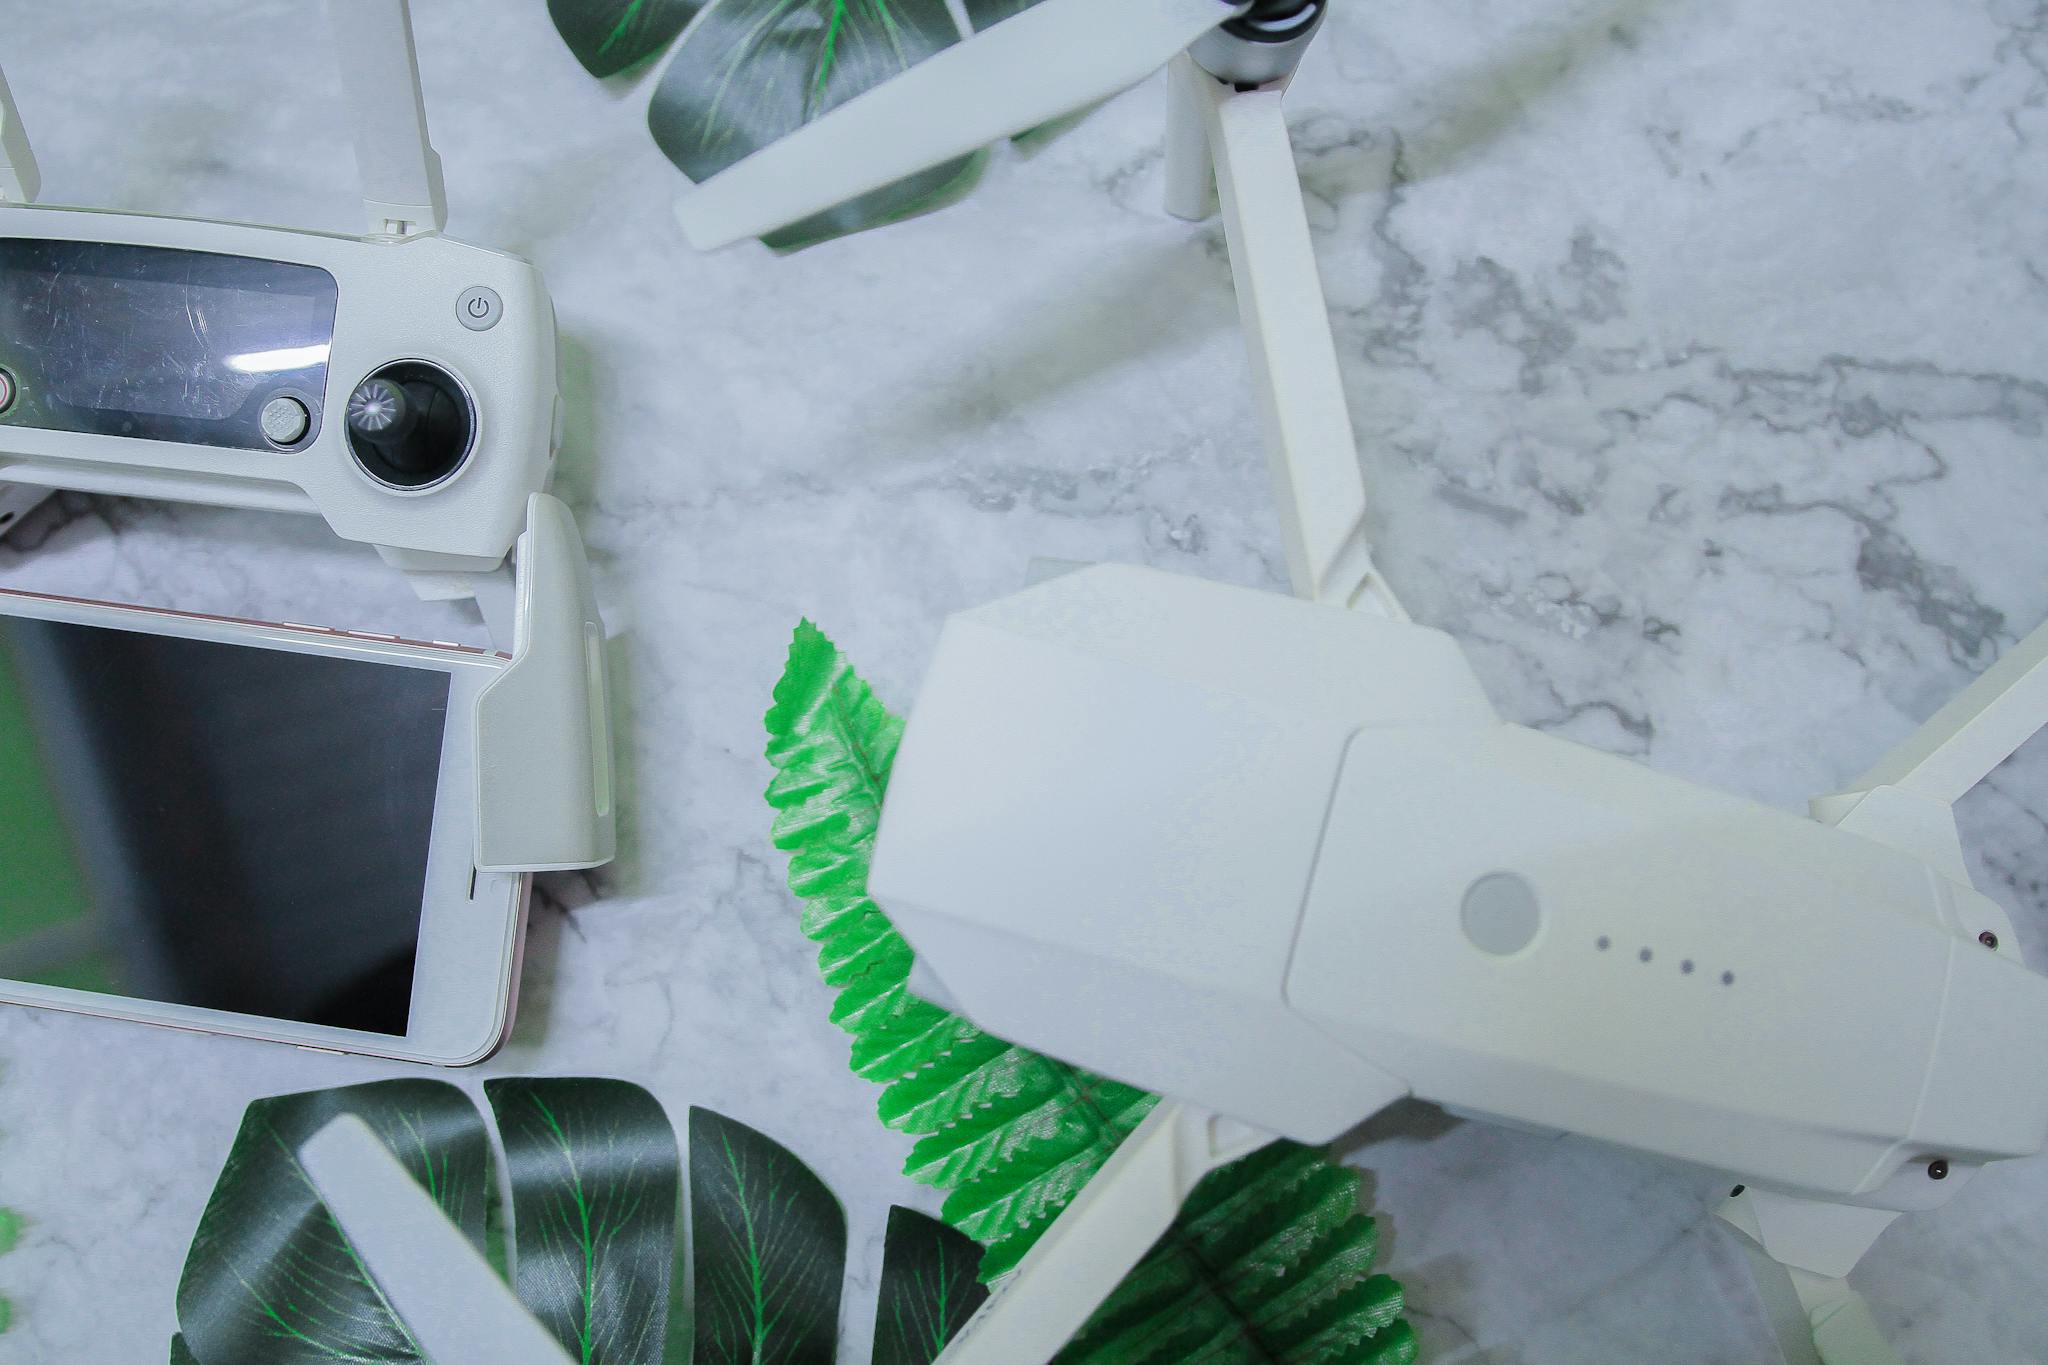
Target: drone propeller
[1054, 58]
[451, 1302]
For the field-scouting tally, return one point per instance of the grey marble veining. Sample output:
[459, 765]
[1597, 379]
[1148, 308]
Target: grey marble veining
[1699, 353]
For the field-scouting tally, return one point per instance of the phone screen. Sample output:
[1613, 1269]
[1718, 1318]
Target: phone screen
[222, 826]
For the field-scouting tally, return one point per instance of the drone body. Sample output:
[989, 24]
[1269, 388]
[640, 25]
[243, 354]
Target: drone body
[1285, 862]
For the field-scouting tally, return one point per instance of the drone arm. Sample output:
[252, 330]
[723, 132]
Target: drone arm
[447, 1295]
[1963, 741]
[1818, 1320]
[1817, 1317]
[1844, 1332]
[380, 76]
[20, 180]
[1105, 1232]
[1309, 439]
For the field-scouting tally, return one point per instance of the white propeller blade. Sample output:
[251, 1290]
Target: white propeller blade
[448, 1297]
[1054, 58]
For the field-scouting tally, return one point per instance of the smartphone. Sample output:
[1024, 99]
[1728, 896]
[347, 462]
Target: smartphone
[249, 828]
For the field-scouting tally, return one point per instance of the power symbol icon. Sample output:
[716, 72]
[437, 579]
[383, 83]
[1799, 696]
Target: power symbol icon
[478, 308]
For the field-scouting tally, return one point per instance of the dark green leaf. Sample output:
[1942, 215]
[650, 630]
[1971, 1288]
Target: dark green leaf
[770, 1247]
[270, 1277]
[753, 71]
[181, 1354]
[608, 36]
[595, 1188]
[931, 1285]
[982, 13]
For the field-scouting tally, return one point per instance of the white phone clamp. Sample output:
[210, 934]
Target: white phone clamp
[544, 782]
[401, 385]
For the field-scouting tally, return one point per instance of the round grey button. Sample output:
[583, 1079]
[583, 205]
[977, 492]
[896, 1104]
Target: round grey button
[478, 308]
[285, 421]
[1500, 913]
[6, 391]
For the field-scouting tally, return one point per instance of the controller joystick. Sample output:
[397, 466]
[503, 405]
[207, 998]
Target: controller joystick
[410, 425]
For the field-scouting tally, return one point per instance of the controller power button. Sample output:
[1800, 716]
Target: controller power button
[478, 308]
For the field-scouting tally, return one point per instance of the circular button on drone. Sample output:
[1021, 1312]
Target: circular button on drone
[6, 391]
[478, 308]
[1500, 913]
[285, 420]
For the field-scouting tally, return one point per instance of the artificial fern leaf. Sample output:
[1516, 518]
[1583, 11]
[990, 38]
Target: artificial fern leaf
[1270, 1260]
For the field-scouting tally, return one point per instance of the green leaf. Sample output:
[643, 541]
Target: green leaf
[770, 1246]
[596, 1184]
[11, 1224]
[608, 36]
[982, 13]
[181, 1354]
[931, 1286]
[270, 1276]
[752, 71]
[1270, 1259]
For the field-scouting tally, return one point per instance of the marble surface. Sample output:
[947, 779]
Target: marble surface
[1699, 352]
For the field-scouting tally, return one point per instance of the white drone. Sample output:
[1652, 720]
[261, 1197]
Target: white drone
[1282, 862]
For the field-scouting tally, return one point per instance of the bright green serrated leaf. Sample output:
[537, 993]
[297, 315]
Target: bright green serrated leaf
[750, 72]
[596, 1184]
[271, 1277]
[931, 1286]
[1270, 1259]
[770, 1247]
[608, 36]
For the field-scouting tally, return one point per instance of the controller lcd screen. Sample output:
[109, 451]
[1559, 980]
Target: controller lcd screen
[111, 339]
[215, 825]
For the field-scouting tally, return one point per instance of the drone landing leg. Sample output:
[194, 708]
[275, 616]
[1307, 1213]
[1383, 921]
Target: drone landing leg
[1106, 1231]
[1309, 439]
[1190, 171]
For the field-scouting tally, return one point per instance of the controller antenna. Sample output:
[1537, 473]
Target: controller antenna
[20, 181]
[380, 76]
